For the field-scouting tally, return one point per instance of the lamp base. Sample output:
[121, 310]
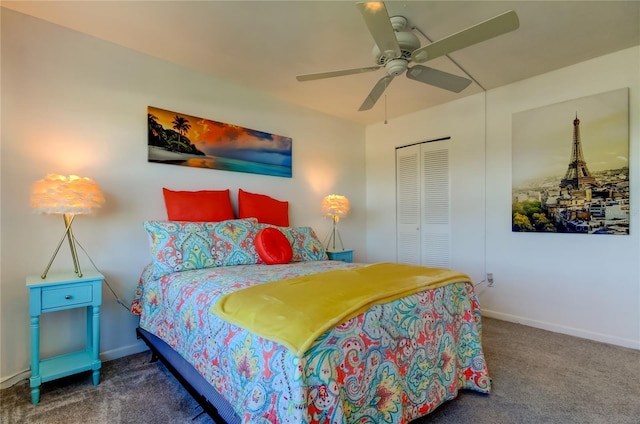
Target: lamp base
[332, 236]
[68, 233]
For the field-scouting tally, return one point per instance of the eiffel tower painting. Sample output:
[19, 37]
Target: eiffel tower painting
[577, 176]
[549, 196]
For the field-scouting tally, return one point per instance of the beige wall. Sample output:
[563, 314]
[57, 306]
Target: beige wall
[73, 104]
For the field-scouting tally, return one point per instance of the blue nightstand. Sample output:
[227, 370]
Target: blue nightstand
[58, 292]
[340, 255]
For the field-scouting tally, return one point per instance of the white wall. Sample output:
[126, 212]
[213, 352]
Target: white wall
[463, 121]
[73, 104]
[588, 286]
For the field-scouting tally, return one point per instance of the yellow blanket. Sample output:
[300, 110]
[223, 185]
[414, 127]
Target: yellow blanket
[296, 311]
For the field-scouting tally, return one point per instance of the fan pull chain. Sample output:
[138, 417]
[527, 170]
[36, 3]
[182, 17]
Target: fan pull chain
[385, 102]
[385, 109]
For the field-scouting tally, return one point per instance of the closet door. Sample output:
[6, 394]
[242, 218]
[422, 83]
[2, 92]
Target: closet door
[435, 205]
[408, 205]
[423, 205]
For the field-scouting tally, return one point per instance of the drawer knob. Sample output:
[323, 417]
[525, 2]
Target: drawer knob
[68, 297]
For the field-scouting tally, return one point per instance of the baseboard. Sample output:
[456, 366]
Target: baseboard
[106, 356]
[121, 352]
[571, 331]
[15, 379]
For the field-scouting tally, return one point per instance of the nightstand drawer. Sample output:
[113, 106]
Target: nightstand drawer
[340, 255]
[62, 297]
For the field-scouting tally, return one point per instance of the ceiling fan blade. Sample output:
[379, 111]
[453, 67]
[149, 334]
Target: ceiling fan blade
[376, 92]
[438, 78]
[377, 19]
[490, 28]
[321, 75]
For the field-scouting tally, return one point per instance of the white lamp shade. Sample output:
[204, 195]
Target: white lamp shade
[335, 205]
[58, 194]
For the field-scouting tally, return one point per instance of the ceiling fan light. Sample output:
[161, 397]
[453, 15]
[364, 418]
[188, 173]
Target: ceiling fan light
[396, 67]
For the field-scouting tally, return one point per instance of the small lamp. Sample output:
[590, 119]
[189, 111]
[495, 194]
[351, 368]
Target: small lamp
[66, 196]
[335, 207]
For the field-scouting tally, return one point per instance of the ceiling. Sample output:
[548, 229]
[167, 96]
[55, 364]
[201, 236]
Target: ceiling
[263, 45]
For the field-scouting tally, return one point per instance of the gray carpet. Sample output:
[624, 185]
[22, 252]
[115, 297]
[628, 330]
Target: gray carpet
[538, 377]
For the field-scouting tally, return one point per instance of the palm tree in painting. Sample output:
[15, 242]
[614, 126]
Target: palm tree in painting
[155, 130]
[152, 119]
[181, 125]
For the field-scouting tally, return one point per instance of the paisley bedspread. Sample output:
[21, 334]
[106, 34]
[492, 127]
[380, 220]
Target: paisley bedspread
[391, 364]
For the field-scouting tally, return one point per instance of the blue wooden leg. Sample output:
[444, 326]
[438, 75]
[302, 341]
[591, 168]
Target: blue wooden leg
[94, 336]
[35, 380]
[35, 395]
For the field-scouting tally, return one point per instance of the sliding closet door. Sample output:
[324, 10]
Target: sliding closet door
[423, 204]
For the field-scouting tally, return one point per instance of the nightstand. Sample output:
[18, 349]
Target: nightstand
[340, 255]
[59, 292]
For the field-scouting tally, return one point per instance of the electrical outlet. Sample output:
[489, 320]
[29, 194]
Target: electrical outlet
[490, 279]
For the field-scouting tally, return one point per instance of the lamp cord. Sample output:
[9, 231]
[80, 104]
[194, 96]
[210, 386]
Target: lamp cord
[118, 300]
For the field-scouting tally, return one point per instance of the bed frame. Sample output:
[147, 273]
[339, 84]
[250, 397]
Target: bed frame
[200, 389]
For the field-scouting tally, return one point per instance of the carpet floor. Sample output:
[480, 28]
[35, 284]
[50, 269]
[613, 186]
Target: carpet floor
[538, 377]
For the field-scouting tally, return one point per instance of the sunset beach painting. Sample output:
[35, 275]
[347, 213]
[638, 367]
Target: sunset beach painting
[178, 139]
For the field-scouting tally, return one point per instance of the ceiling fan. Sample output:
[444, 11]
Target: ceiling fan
[396, 48]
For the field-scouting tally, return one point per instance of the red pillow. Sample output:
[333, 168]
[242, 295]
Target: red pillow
[273, 247]
[266, 209]
[198, 206]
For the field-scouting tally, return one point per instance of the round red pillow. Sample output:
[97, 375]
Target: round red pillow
[273, 247]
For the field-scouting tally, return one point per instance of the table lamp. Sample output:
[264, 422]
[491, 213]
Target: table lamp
[335, 207]
[67, 196]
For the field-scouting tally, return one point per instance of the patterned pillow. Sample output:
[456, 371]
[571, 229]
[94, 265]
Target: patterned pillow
[305, 244]
[181, 246]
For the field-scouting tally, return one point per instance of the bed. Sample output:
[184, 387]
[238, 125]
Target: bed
[391, 359]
